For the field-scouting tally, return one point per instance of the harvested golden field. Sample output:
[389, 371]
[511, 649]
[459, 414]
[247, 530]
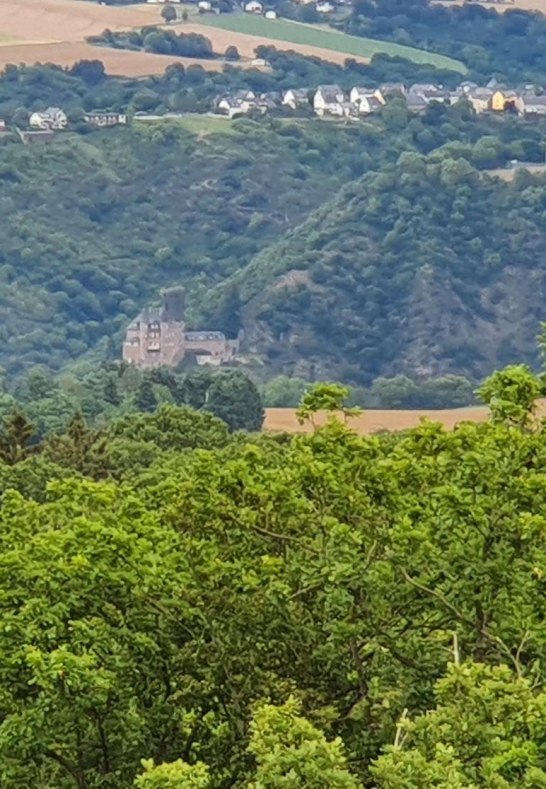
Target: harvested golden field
[284, 419]
[118, 62]
[54, 31]
[68, 20]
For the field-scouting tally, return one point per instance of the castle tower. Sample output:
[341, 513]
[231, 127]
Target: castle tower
[174, 305]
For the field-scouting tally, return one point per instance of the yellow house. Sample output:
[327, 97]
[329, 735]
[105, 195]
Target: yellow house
[506, 100]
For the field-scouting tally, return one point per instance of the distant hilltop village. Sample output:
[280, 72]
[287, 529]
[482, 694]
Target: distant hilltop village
[158, 337]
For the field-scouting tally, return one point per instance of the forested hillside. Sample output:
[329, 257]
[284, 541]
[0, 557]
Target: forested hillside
[95, 224]
[427, 266]
[185, 608]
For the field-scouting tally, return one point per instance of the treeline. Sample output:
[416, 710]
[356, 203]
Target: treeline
[102, 393]
[185, 607]
[162, 42]
[398, 391]
[509, 45]
[105, 392]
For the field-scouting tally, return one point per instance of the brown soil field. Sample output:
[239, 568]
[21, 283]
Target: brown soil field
[54, 31]
[284, 419]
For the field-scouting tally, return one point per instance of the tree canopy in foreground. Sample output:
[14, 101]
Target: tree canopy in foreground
[251, 610]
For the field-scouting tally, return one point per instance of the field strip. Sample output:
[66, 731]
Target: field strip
[372, 421]
[118, 62]
[246, 43]
[308, 35]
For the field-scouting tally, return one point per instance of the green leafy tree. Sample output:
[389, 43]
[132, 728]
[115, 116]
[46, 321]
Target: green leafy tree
[173, 427]
[81, 448]
[326, 397]
[292, 753]
[17, 438]
[232, 53]
[168, 12]
[486, 730]
[173, 775]
[512, 395]
[233, 397]
[145, 398]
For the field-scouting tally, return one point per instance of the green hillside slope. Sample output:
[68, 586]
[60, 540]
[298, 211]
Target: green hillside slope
[427, 267]
[93, 226]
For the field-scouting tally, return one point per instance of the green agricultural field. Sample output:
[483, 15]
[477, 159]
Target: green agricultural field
[312, 35]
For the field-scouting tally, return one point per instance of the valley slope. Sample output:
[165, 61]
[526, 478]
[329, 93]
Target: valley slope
[428, 267]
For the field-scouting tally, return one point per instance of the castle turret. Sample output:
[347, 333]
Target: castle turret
[174, 305]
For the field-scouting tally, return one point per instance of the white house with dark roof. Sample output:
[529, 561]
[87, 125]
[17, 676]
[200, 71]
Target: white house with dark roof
[533, 105]
[297, 97]
[328, 100]
[53, 118]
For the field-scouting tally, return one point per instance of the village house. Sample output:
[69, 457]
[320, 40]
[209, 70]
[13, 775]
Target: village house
[505, 100]
[298, 97]
[233, 107]
[3, 126]
[416, 103]
[367, 100]
[204, 6]
[393, 89]
[532, 104]
[253, 7]
[329, 100]
[53, 118]
[479, 99]
[270, 14]
[325, 7]
[421, 88]
[102, 119]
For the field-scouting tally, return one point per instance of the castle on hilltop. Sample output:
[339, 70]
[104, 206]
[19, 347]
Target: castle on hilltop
[158, 337]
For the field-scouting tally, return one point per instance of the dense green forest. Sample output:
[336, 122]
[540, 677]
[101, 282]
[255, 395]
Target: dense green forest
[187, 607]
[428, 265]
[96, 224]
[510, 46]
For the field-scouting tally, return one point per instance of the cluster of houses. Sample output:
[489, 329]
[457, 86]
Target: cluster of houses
[333, 101]
[55, 119]
[42, 126]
